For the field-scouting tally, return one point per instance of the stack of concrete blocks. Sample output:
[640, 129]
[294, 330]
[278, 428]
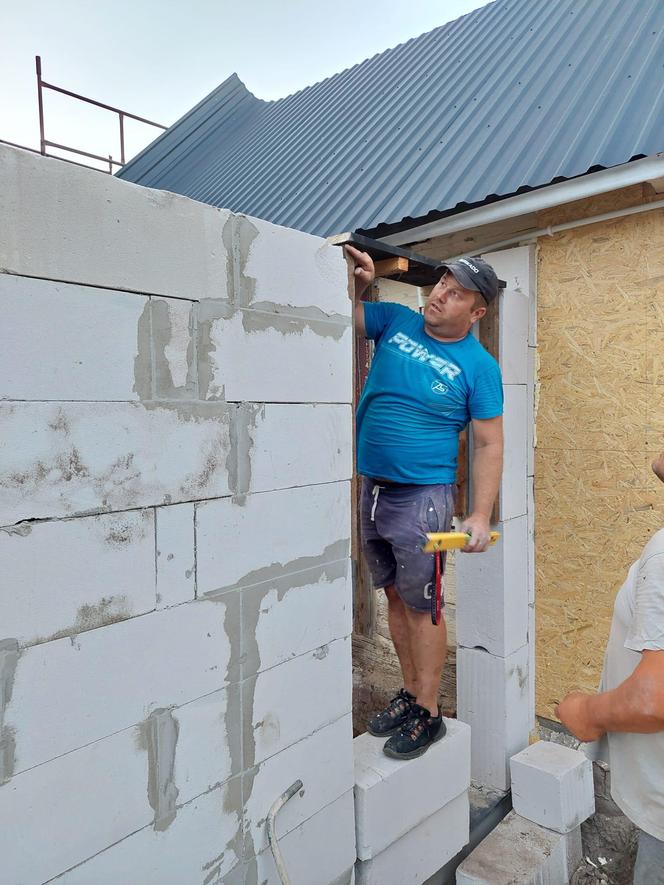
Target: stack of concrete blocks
[175, 457]
[495, 598]
[539, 843]
[412, 816]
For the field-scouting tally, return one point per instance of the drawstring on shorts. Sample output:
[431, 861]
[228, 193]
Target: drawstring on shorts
[375, 492]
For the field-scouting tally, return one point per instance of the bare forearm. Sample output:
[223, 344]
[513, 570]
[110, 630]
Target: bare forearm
[487, 468]
[633, 706]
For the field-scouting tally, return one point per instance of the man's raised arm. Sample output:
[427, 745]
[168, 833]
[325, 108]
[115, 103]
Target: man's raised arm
[364, 275]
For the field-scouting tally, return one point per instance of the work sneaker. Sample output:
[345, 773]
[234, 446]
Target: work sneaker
[416, 735]
[393, 716]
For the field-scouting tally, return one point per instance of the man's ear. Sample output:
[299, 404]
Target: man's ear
[477, 314]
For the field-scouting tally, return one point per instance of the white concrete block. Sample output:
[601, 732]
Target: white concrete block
[532, 649]
[319, 852]
[492, 608]
[294, 614]
[53, 344]
[492, 697]
[517, 266]
[68, 459]
[172, 327]
[58, 814]
[323, 762]
[518, 850]
[73, 224]
[176, 574]
[300, 359]
[513, 485]
[299, 445]
[271, 534]
[203, 842]
[285, 704]
[532, 390]
[288, 267]
[417, 787]
[531, 540]
[208, 749]
[68, 693]
[64, 577]
[552, 785]
[422, 851]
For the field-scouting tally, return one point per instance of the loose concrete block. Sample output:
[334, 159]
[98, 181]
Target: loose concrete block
[299, 445]
[52, 346]
[515, 266]
[281, 266]
[301, 359]
[289, 702]
[73, 224]
[202, 842]
[492, 611]
[61, 578]
[67, 459]
[319, 852]
[102, 787]
[493, 698]
[552, 785]
[518, 850]
[513, 485]
[271, 534]
[71, 692]
[418, 788]
[294, 614]
[176, 574]
[323, 762]
[422, 851]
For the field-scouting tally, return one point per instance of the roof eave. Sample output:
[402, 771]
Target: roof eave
[546, 197]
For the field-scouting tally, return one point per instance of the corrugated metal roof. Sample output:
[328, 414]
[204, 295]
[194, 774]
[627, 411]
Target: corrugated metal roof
[513, 96]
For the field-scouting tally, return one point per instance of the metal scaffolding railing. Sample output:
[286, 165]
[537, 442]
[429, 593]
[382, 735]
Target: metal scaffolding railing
[44, 143]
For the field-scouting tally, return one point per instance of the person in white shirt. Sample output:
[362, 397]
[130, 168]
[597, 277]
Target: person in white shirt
[629, 707]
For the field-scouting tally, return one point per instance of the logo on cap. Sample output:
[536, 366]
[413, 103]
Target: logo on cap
[468, 264]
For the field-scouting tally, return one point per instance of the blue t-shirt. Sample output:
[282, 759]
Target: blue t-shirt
[419, 395]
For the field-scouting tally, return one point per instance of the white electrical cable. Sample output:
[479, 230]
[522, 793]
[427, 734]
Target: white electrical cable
[272, 833]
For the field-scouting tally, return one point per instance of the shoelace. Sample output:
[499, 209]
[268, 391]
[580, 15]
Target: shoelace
[397, 705]
[416, 724]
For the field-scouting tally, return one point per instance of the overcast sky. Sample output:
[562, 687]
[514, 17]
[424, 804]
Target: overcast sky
[157, 58]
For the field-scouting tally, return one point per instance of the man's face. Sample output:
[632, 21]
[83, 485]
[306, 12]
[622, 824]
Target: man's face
[450, 308]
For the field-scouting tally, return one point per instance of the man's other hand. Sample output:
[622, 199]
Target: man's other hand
[364, 272]
[477, 526]
[574, 714]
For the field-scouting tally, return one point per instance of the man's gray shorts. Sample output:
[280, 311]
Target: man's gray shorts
[394, 521]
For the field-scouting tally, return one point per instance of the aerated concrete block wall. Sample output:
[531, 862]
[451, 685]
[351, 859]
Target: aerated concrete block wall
[175, 603]
[496, 590]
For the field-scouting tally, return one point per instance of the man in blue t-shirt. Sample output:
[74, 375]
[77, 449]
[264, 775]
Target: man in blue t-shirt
[429, 378]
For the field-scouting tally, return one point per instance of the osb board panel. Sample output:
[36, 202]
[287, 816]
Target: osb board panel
[600, 422]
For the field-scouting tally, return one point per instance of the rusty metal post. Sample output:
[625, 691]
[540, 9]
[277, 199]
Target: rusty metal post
[42, 141]
[122, 146]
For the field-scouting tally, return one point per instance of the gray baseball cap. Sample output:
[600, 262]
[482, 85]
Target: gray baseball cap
[475, 274]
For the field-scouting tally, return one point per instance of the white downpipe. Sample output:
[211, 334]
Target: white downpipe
[535, 201]
[528, 236]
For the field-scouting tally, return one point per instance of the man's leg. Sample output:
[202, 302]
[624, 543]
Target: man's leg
[428, 651]
[649, 868]
[397, 620]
